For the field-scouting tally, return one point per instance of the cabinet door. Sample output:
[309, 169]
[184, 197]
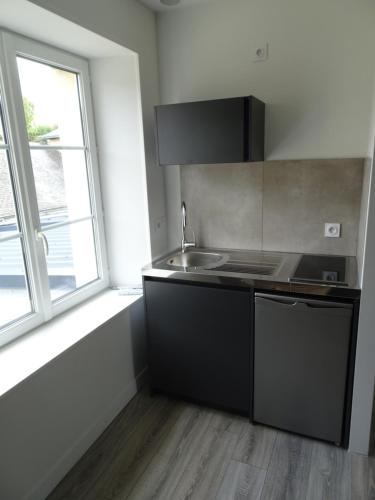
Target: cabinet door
[201, 132]
[301, 355]
[199, 342]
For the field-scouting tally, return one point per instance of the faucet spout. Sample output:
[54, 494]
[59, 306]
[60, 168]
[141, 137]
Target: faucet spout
[183, 216]
[184, 243]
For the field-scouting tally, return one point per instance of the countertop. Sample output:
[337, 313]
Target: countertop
[277, 282]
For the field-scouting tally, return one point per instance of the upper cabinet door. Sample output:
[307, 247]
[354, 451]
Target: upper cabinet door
[217, 131]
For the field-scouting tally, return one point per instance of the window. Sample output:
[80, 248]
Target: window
[51, 227]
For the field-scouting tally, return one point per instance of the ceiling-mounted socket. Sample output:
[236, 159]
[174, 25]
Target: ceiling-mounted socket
[332, 230]
[260, 52]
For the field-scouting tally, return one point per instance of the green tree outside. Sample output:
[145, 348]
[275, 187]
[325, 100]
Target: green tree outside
[34, 131]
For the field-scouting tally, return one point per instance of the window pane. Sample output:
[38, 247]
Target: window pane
[8, 221]
[14, 294]
[61, 185]
[51, 103]
[71, 261]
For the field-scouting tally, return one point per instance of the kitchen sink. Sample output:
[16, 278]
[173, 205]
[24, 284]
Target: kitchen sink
[249, 268]
[196, 260]
[256, 263]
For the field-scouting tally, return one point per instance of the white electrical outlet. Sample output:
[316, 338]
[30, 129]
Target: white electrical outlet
[332, 230]
[260, 52]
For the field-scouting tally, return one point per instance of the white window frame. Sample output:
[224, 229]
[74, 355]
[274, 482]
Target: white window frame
[11, 46]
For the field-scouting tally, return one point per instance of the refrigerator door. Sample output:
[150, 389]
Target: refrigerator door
[301, 354]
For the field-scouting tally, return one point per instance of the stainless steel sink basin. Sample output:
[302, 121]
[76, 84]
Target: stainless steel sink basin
[249, 268]
[245, 263]
[259, 264]
[197, 260]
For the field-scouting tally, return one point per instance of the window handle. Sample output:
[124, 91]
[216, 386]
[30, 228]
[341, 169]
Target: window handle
[41, 236]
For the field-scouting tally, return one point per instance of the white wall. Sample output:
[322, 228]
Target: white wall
[118, 113]
[364, 376]
[132, 25]
[362, 230]
[48, 421]
[317, 82]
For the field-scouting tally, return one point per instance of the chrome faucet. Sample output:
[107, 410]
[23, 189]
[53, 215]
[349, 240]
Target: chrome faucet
[184, 243]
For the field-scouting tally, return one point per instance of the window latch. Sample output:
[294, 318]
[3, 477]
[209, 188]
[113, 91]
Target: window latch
[41, 236]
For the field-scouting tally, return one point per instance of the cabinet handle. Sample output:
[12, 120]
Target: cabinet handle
[302, 304]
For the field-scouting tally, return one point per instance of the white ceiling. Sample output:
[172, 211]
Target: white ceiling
[158, 7]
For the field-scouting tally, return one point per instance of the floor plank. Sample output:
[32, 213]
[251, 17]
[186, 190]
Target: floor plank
[168, 465]
[193, 467]
[330, 475]
[204, 473]
[362, 477]
[241, 482]
[131, 460]
[162, 449]
[255, 445]
[288, 471]
[79, 480]
[122, 458]
[371, 484]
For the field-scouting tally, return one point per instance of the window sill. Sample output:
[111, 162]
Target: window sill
[29, 353]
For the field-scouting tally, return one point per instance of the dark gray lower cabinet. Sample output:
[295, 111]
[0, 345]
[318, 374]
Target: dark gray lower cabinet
[199, 342]
[301, 357]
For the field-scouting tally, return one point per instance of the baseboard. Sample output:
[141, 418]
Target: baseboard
[60, 468]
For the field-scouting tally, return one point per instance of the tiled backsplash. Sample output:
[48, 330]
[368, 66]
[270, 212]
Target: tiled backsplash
[277, 205]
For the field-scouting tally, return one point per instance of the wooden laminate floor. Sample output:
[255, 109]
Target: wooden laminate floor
[164, 449]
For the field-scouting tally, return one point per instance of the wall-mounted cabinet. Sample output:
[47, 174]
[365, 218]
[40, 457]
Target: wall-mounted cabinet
[217, 131]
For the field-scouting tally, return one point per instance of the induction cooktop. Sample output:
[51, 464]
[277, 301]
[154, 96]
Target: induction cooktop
[324, 269]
